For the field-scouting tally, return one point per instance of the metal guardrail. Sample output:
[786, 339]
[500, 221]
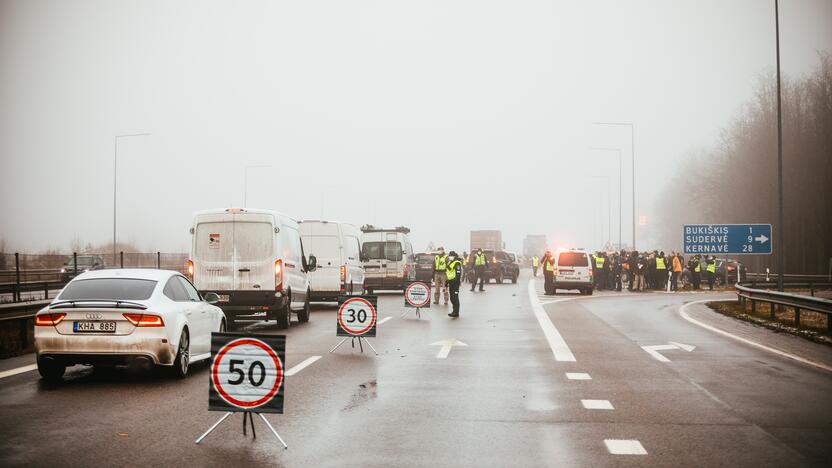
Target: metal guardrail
[783, 299]
[21, 310]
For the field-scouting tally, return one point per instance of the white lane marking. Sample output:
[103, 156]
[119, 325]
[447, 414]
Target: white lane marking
[302, 365]
[446, 347]
[624, 447]
[578, 376]
[384, 320]
[559, 347]
[597, 404]
[18, 370]
[686, 347]
[654, 351]
[692, 320]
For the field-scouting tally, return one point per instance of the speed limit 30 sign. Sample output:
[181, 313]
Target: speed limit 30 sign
[357, 316]
[247, 373]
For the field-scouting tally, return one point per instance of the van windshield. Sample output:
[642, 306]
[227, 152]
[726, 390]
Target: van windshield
[573, 259]
[391, 251]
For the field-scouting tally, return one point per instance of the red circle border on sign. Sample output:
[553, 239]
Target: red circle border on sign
[246, 404]
[427, 298]
[370, 306]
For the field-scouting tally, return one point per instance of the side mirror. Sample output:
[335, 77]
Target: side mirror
[312, 263]
[211, 298]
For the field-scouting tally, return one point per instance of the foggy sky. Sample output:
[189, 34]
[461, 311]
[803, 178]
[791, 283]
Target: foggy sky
[444, 116]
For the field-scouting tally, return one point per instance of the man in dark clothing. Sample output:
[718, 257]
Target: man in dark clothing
[616, 272]
[548, 264]
[631, 276]
[453, 279]
[600, 271]
[695, 268]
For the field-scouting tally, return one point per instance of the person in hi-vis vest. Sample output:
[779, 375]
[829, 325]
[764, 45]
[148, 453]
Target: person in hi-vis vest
[535, 264]
[453, 275]
[480, 265]
[439, 277]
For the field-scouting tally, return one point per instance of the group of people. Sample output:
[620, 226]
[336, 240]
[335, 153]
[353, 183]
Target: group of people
[649, 270]
[448, 274]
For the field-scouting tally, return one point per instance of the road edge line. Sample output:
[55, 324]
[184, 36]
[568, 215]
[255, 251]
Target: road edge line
[794, 357]
[18, 370]
[556, 342]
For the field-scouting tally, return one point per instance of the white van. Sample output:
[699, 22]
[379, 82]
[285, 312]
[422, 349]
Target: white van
[254, 260]
[573, 270]
[337, 248]
[389, 260]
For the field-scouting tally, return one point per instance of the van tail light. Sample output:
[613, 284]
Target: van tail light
[47, 320]
[189, 269]
[145, 320]
[494, 259]
[278, 275]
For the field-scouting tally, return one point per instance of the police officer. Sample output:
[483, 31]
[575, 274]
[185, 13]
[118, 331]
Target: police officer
[440, 261]
[548, 274]
[616, 271]
[661, 271]
[600, 274]
[535, 264]
[695, 267]
[710, 272]
[453, 274]
[480, 263]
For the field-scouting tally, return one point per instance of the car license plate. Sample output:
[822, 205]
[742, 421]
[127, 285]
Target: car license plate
[93, 327]
[223, 297]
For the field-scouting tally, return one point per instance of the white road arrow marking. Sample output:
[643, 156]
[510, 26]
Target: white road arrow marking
[446, 347]
[654, 350]
[761, 239]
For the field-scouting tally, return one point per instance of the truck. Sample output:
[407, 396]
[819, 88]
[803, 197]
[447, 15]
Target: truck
[486, 240]
[534, 244]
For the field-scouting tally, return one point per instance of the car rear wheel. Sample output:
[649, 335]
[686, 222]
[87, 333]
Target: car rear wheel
[500, 278]
[514, 279]
[50, 369]
[303, 315]
[183, 356]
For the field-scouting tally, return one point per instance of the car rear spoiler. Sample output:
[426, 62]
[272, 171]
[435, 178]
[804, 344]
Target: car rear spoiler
[97, 303]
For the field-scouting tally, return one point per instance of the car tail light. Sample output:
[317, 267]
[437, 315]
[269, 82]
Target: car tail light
[730, 268]
[189, 269]
[45, 320]
[145, 320]
[278, 275]
[494, 259]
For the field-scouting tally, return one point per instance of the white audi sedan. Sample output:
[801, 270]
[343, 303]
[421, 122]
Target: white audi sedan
[133, 317]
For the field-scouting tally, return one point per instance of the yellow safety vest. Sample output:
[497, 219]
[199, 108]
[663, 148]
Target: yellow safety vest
[697, 268]
[599, 262]
[550, 264]
[479, 259]
[439, 262]
[660, 263]
[450, 273]
[535, 261]
[712, 267]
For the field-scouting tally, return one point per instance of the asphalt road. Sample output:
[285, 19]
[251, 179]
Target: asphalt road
[505, 399]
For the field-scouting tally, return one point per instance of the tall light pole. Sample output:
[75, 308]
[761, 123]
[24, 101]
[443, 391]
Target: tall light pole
[609, 206]
[245, 181]
[115, 179]
[781, 226]
[633, 156]
[620, 218]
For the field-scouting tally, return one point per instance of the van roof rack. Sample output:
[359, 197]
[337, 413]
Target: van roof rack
[371, 228]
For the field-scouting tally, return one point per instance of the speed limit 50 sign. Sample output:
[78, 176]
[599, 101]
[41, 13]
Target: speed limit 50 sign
[357, 316]
[247, 373]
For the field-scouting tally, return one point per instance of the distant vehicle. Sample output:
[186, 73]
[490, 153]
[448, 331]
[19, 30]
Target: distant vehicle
[389, 260]
[254, 260]
[133, 317]
[85, 263]
[499, 267]
[573, 270]
[425, 267]
[534, 245]
[486, 240]
[337, 249]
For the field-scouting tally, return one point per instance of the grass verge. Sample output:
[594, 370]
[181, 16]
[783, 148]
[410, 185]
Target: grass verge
[812, 324]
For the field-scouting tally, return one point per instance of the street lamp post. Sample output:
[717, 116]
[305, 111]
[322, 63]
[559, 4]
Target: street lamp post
[633, 156]
[245, 181]
[620, 216]
[781, 226]
[115, 179]
[609, 206]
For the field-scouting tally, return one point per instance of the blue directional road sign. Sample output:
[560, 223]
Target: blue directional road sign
[733, 239]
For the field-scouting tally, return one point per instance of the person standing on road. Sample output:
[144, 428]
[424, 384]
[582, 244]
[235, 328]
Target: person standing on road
[600, 273]
[631, 270]
[616, 272]
[640, 270]
[548, 274]
[535, 264]
[710, 272]
[453, 275]
[480, 263]
[440, 261]
[695, 267]
[677, 270]
[661, 271]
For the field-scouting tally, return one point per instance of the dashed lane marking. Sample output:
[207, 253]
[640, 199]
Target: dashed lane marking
[18, 370]
[624, 447]
[559, 347]
[578, 376]
[384, 320]
[684, 315]
[302, 365]
[597, 404]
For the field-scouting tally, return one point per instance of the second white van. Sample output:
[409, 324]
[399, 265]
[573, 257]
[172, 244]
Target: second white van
[337, 248]
[389, 259]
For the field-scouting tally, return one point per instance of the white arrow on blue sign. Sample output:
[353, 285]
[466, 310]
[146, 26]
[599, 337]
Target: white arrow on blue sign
[733, 239]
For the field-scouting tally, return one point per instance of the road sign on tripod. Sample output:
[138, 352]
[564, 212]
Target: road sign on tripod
[357, 318]
[416, 295]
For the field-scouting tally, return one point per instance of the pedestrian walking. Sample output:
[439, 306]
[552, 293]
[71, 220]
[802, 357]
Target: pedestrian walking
[548, 274]
[535, 264]
[440, 263]
[453, 275]
[480, 263]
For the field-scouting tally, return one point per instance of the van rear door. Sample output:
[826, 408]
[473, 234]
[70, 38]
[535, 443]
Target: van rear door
[214, 255]
[253, 253]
